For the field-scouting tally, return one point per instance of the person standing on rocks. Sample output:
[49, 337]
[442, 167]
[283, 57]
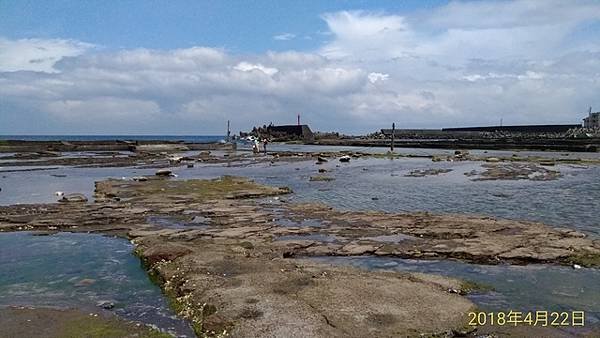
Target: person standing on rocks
[265, 141]
[255, 147]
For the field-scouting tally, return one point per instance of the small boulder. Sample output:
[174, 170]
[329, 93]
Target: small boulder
[345, 158]
[74, 198]
[164, 172]
[492, 159]
[461, 154]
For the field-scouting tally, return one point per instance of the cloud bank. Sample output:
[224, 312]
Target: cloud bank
[466, 63]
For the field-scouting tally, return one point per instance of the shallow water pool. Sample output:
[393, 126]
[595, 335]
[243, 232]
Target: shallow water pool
[80, 271]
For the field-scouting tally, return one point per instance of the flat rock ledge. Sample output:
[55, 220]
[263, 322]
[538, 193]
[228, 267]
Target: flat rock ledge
[223, 256]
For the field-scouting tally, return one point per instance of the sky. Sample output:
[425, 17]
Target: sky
[186, 67]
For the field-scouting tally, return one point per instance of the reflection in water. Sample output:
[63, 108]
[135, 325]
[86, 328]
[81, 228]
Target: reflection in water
[377, 184]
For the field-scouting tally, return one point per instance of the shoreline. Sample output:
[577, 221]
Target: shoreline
[122, 144]
[17, 146]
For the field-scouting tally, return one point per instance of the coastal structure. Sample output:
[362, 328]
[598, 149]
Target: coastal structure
[301, 131]
[592, 120]
[465, 131]
[531, 128]
[291, 132]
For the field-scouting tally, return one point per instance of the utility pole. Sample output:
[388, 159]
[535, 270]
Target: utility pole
[393, 133]
[298, 119]
[228, 132]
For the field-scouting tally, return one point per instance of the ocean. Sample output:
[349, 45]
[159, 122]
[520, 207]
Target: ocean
[184, 138]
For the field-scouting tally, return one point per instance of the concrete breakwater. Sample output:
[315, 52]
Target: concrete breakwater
[575, 145]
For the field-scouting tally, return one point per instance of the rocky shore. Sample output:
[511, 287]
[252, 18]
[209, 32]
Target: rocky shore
[576, 145]
[225, 255]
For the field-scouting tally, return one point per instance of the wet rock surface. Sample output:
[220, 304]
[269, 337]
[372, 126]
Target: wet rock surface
[469, 238]
[60, 323]
[427, 172]
[234, 275]
[514, 171]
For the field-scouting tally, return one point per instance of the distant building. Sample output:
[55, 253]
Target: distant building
[592, 121]
[301, 132]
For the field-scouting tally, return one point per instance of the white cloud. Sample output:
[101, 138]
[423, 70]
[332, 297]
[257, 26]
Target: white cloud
[374, 77]
[284, 37]
[248, 67]
[37, 54]
[466, 63]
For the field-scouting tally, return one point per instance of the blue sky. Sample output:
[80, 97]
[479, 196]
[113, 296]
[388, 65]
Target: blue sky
[185, 67]
[238, 26]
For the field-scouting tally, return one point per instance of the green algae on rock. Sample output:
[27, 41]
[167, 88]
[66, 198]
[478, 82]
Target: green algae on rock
[68, 323]
[157, 189]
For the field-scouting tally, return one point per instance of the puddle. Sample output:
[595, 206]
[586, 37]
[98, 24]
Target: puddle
[80, 271]
[20, 187]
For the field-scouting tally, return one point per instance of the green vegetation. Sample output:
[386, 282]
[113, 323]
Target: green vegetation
[164, 188]
[92, 327]
[468, 286]
[587, 259]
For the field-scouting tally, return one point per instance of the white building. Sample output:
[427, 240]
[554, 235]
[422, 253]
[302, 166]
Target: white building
[592, 121]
